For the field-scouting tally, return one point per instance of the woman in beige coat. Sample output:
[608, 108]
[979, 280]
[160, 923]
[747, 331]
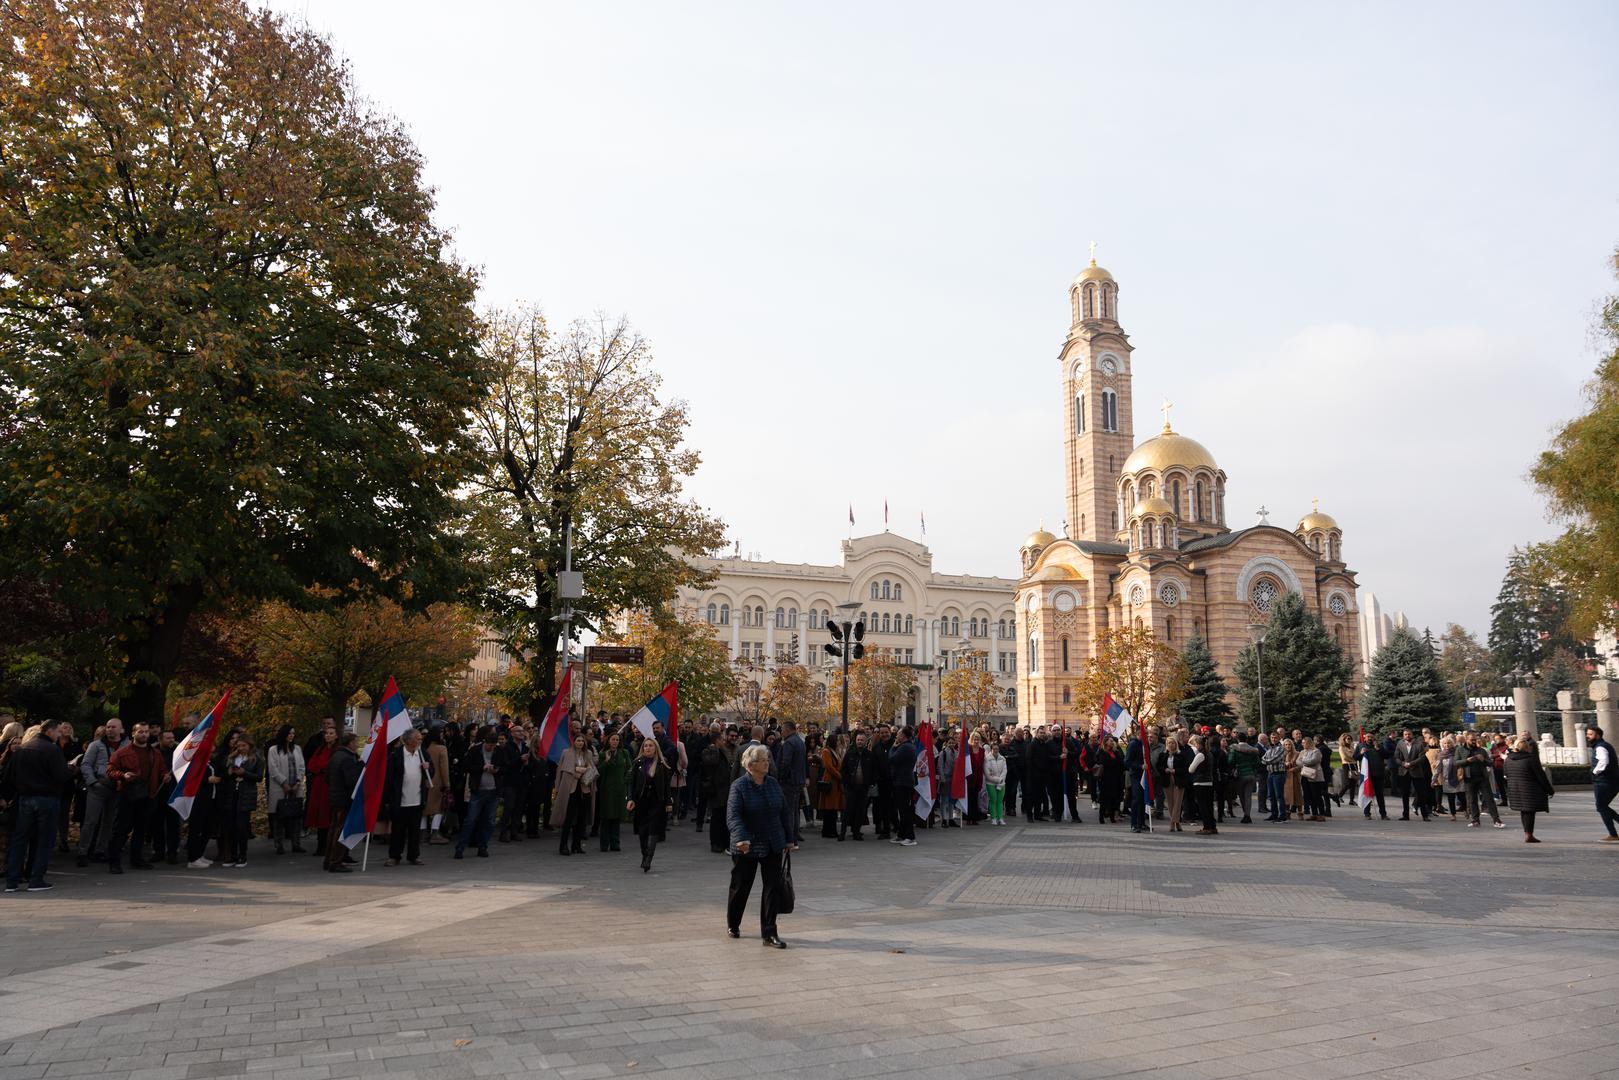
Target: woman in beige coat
[438, 759]
[576, 782]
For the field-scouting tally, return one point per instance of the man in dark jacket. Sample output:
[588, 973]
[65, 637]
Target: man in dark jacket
[1604, 780]
[1406, 753]
[1037, 762]
[902, 786]
[511, 755]
[719, 760]
[1135, 763]
[792, 773]
[342, 773]
[35, 777]
[1476, 767]
[404, 792]
[482, 767]
[137, 770]
[1015, 752]
[1369, 753]
[882, 811]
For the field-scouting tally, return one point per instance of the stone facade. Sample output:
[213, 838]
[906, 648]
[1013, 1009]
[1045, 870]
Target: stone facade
[772, 613]
[1150, 544]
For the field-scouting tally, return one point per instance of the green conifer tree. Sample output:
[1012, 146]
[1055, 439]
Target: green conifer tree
[1205, 701]
[1306, 673]
[1406, 689]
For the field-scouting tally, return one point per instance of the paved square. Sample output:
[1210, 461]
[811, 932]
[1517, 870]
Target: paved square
[1342, 949]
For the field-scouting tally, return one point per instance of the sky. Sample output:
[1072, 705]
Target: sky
[1360, 247]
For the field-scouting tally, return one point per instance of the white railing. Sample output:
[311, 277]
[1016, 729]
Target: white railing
[1552, 754]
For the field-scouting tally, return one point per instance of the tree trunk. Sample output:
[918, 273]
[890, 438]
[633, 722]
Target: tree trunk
[154, 653]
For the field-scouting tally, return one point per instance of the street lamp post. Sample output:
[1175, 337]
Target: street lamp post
[1257, 632]
[845, 643]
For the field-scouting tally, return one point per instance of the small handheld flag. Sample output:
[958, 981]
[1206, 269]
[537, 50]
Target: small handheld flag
[1368, 790]
[554, 736]
[199, 743]
[663, 709]
[1117, 721]
[390, 721]
[924, 772]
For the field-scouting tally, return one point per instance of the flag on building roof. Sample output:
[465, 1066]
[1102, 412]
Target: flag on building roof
[198, 743]
[663, 709]
[389, 722]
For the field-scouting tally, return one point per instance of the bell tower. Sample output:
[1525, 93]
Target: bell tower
[1098, 430]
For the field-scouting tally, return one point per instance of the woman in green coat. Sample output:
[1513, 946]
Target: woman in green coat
[614, 788]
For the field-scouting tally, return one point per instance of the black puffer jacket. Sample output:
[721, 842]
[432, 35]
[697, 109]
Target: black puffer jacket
[1528, 786]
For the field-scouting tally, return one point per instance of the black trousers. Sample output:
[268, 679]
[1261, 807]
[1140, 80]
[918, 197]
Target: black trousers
[1013, 779]
[1377, 786]
[129, 824]
[199, 828]
[1528, 817]
[649, 844]
[882, 811]
[1054, 796]
[574, 824]
[1204, 793]
[405, 833]
[533, 812]
[904, 814]
[511, 811]
[719, 831]
[743, 870]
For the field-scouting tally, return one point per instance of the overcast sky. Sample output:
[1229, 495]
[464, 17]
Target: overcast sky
[1359, 246]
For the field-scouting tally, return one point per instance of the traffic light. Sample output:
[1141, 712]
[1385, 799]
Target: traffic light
[832, 650]
[858, 651]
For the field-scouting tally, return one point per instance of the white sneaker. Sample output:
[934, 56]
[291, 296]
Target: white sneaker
[1472, 824]
[896, 840]
[199, 864]
[907, 843]
[1500, 824]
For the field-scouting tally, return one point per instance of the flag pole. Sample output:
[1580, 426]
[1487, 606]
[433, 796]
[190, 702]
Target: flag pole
[365, 856]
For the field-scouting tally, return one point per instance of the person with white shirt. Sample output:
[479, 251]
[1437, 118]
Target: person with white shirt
[403, 794]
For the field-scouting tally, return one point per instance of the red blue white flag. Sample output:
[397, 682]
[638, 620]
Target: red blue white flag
[1368, 789]
[663, 709]
[389, 722]
[554, 736]
[962, 770]
[924, 772]
[199, 743]
[1116, 720]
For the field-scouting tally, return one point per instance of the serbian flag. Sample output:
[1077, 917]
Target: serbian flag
[962, 770]
[1146, 763]
[1368, 790]
[1116, 721]
[198, 744]
[924, 772]
[663, 709]
[389, 722]
[554, 736]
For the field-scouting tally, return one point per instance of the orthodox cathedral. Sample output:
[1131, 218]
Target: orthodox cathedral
[1149, 543]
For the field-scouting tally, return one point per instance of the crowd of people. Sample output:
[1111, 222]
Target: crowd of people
[106, 802]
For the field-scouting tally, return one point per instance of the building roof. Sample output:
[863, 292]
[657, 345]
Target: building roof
[1167, 450]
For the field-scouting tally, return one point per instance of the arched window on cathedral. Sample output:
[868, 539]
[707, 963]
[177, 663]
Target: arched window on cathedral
[1110, 413]
[1065, 654]
[1115, 524]
[1034, 655]
[1219, 507]
[1175, 497]
[1109, 302]
[1169, 628]
[1079, 415]
[1129, 494]
[1197, 508]
[1082, 524]
[1065, 695]
[1090, 300]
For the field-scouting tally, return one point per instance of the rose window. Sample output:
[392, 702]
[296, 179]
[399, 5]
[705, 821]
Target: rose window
[1138, 595]
[1337, 606]
[1264, 594]
[1169, 593]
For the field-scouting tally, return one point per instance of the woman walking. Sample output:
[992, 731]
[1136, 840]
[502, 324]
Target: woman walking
[318, 806]
[1529, 789]
[613, 790]
[831, 785]
[650, 800]
[761, 826]
[995, 782]
[284, 790]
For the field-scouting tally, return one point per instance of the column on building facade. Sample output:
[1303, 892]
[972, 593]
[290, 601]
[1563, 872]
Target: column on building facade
[921, 640]
[992, 658]
[736, 634]
[770, 639]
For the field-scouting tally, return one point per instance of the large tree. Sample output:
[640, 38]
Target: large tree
[676, 647]
[235, 350]
[574, 441]
[879, 690]
[1530, 617]
[1576, 475]
[794, 694]
[969, 689]
[1465, 665]
[1141, 673]
[1206, 702]
[1305, 671]
[1405, 689]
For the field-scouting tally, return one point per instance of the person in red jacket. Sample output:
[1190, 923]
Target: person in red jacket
[137, 770]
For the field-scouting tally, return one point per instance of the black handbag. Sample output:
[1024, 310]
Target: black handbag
[785, 894]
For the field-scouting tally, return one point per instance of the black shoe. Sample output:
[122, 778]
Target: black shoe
[716, 850]
[774, 943]
[414, 862]
[115, 868]
[299, 849]
[340, 869]
[350, 860]
[82, 861]
[483, 853]
[732, 931]
[1247, 821]
[563, 851]
[459, 855]
[141, 866]
[279, 850]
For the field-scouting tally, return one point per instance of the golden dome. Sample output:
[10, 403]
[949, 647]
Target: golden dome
[1057, 572]
[1092, 273]
[1153, 506]
[1039, 539]
[1167, 450]
[1315, 519]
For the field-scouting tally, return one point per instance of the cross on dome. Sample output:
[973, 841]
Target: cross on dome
[1164, 408]
[1093, 252]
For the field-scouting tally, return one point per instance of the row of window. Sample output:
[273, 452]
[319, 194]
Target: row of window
[1110, 412]
[754, 651]
[1205, 506]
[719, 613]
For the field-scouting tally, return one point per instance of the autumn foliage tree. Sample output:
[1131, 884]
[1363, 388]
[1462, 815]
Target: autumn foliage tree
[236, 355]
[574, 440]
[1143, 674]
[878, 690]
[677, 646]
[969, 689]
[793, 694]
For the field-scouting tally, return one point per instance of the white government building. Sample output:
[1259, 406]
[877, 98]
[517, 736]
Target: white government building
[773, 613]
